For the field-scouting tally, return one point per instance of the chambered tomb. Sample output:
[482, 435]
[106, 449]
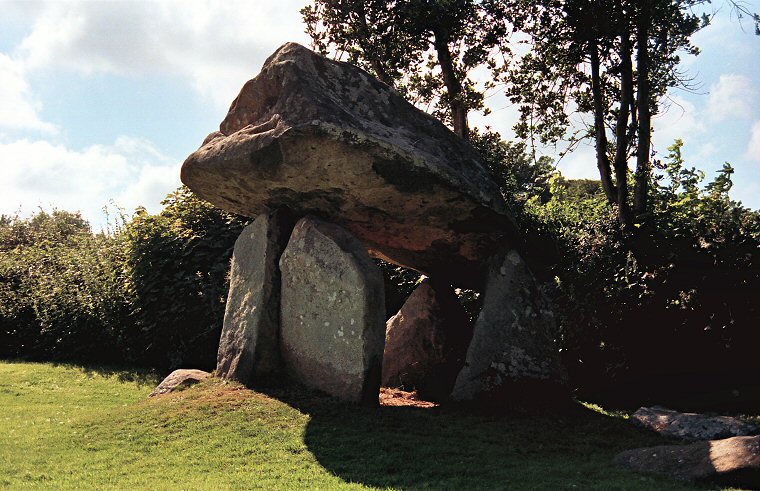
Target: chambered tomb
[366, 173]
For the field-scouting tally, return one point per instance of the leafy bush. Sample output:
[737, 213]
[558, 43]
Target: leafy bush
[150, 293]
[61, 289]
[678, 315]
[176, 265]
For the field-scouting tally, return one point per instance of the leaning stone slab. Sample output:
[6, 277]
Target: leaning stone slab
[426, 342]
[332, 312]
[690, 426]
[249, 349]
[732, 461]
[326, 138]
[179, 379]
[512, 356]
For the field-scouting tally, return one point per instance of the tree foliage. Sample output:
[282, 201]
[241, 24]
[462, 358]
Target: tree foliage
[61, 288]
[654, 330]
[176, 266]
[612, 60]
[152, 293]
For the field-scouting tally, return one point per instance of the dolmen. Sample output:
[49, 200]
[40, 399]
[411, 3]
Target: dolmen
[336, 168]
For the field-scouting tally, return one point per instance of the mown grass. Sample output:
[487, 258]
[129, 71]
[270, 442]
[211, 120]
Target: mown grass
[69, 427]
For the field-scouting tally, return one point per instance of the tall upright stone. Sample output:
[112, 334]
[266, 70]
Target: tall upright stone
[333, 312]
[512, 355]
[426, 342]
[249, 346]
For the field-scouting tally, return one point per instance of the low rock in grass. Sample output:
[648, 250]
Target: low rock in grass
[731, 461]
[179, 379]
[691, 426]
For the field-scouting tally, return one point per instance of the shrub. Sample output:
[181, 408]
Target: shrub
[177, 265]
[62, 292]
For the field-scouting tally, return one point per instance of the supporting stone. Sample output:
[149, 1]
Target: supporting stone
[426, 342]
[333, 312]
[249, 347]
[511, 357]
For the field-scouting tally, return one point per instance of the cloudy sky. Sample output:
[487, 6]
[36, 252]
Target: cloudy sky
[101, 101]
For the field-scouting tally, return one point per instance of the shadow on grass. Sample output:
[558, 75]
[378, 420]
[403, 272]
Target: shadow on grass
[140, 376]
[454, 448]
[143, 377]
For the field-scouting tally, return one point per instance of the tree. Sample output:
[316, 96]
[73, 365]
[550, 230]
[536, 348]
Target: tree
[424, 48]
[612, 59]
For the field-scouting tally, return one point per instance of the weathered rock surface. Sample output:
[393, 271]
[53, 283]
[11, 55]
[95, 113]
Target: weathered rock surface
[426, 342]
[333, 312]
[249, 349]
[733, 461]
[326, 138]
[690, 426]
[512, 355]
[179, 379]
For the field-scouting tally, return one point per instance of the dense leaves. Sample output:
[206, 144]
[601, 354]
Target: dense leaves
[176, 266]
[61, 289]
[151, 292]
[676, 327]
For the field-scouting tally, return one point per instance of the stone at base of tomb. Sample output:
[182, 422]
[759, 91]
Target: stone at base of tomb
[732, 461]
[426, 342]
[512, 356]
[179, 379]
[691, 426]
[249, 346]
[333, 313]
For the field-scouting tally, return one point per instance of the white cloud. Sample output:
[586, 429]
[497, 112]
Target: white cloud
[679, 119]
[131, 172]
[581, 163]
[732, 97]
[18, 111]
[216, 45]
[753, 147]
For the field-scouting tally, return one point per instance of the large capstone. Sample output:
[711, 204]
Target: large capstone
[512, 356]
[249, 347]
[333, 312]
[325, 138]
[426, 342]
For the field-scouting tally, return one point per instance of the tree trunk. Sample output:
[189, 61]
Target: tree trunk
[641, 189]
[621, 132]
[602, 158]
[453, 86]
[370, 52]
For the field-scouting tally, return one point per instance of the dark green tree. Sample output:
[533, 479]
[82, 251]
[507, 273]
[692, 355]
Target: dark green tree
[613, 60]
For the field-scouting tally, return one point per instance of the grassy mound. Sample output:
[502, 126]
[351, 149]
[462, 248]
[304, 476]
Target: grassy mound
[70, 427]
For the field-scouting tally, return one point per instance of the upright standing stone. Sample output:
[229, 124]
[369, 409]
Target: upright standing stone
[333, 312]
[249, 347]
[426, 342]
[512, 350]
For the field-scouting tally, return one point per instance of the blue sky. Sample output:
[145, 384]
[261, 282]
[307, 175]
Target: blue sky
[102, 101]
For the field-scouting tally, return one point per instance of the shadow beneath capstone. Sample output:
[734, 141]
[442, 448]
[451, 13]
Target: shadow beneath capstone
[452, 447]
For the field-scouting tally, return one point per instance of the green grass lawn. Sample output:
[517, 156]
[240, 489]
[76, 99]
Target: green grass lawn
[69, 427]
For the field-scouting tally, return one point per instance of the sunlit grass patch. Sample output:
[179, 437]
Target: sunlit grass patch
[66, 427]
